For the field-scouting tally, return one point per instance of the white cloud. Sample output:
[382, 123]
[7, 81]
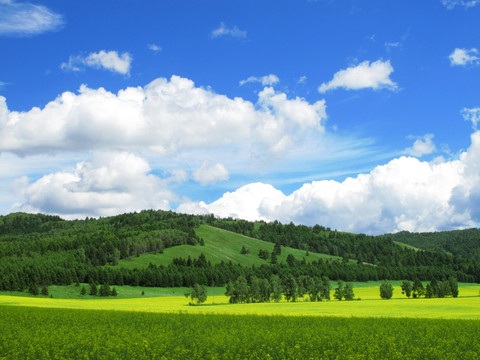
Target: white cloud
[224, 30]
[266, 80]
[107, 60]
[404, 194]
[422, 146]
[23, 18]
[165, 116]
[154, 47]
[108, 184]
[472, 115]
[365, 75]
[302, 79]
[450, 4]
[464, 57]
[210, 174]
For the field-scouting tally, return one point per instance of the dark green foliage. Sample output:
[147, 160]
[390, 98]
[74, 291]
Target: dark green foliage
[464, 243]
[86, 334]
[417, 290]
[338, 294]
[104, 290]
[453, 286]
[198, 294]
[407, 288]
[386, 290]
[348, 293]
[273, 258]
[114, 292]
[263, 254]
[290, 260]
[93, 289]
[44, 290]
[277, 249]
[33, 289]
[245, 250]
[83, 291]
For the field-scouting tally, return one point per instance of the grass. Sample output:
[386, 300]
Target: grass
[172, 300]
[221, 245]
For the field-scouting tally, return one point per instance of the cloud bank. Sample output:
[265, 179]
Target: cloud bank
[404, 194]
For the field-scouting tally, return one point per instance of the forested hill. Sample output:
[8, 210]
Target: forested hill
[465, 243]
[48, 250]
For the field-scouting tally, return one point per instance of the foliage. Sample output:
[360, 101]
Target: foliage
[407, 288]
[198, 294]
[386, 290]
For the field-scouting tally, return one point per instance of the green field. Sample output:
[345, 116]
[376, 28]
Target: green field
[221, 245]
[33, 333]
[161, 325]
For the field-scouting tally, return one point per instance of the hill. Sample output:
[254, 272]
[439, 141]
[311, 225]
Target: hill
[165, 249]
[465, 243]
[222, 245]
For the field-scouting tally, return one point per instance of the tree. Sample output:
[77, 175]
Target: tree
[273, 258]
[407, 288]
[93, 289]
[417, 290]
[276, 288]
[348, 292]
[338, 294]
[104, 290]
[44, 290]
[386, 290]
[83, 291]
[277, 249]
[263, 254]
[245, 250]
[114, 292]
[290, 288]
[325, 288]
[198, 294]
[291, 260]
[33, 289]
[453, 286]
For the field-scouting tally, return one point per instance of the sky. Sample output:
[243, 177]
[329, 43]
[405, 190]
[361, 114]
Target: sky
[358, 115]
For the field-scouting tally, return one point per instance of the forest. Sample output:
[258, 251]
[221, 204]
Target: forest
[42, 250]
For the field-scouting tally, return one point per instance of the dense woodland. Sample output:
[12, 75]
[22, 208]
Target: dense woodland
[45, 250]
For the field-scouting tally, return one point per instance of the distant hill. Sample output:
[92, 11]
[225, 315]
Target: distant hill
[465, 243]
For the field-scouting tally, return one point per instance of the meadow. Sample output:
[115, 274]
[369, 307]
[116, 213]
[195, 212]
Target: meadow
[41, 333]
[161, 325]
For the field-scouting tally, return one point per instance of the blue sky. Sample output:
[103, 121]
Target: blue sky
[358, 115]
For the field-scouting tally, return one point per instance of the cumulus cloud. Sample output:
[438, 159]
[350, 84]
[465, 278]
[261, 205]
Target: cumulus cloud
[224, 30]
[266, 80]
[108, 184]
[450, 4]
[23, 18]
[210, 174]
[464, 57]
[375, 75]
[165, 116]
[107, 60]
[422, 146]
[405, 194]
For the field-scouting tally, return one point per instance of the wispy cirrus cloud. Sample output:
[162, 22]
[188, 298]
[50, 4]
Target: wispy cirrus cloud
[375, 75]
[450, 4]
[107, 60]
[224, 30]
[26, 19]
[266, 80]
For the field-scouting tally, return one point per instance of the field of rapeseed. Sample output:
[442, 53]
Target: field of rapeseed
[37, 333]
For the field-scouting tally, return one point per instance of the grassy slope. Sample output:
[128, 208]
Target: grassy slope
[220, 245]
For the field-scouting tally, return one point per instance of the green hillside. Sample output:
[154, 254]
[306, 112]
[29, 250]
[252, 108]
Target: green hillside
[221, 245]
